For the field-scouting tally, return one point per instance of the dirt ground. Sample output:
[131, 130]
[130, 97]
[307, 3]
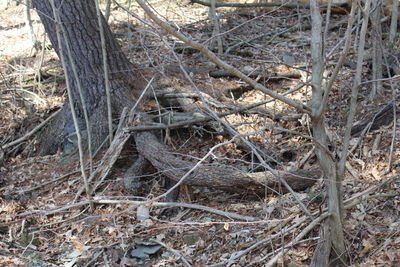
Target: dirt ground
[42, 225]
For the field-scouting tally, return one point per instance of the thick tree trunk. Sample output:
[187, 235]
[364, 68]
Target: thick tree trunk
[80, 22]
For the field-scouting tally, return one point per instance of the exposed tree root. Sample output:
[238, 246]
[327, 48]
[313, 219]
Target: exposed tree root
[216, 175]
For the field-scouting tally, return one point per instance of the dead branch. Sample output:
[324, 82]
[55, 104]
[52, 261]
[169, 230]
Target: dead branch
[255, 74]
[32, 132]
[264, 4]
[238, 255]
[371, 189]
[112, 153]
[216, 60]
[351, 202]
[382, 117]
[174, 251]
[58, 179]
[184, 120]
[137, 203]
[300, 236]
[180, 205]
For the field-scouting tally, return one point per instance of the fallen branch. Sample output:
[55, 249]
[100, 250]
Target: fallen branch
[58, 179]
[303, 233]
[262, 74]
[354, 198]
[138, 203]
[186, 123]
[174, 251]
[233, 132]
[240, 254]
[351, 202]
[268, 4]
[32, 132]
[382, 117]
[112, 154]
[216, 60]
[116, 146]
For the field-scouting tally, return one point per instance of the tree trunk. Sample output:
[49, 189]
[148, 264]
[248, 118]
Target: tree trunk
[80, 22]
[333, 224]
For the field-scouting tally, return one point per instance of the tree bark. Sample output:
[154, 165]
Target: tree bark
[80, 22]
[217, 175]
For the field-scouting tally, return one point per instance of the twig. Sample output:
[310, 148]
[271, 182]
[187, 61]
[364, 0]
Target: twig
[213, 58]
[73, 112]
[340, 62]
[137, 203]
[106, 70]
[94, 258]
[236, 134]
[36, 96]
[261, 35]
[271, 253]
[32, 132]
[351, 204]
[116, 146]
[393, 22]
[111, 154]
[270, 223]
[81, 96]
[305, 231]
[372, 189]
[161, 126]
[354, 92]
[358, 201]
[43, 184]
[62, 222]
[174, 251]
[393, 142]
[263, 4]
[214, 18]
[131, 112]
[54, 180]
[240, 254]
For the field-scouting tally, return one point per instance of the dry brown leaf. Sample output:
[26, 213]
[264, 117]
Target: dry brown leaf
[226, 226]
[367, 247]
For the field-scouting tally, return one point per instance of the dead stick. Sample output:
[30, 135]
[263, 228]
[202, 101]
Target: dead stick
[32, 132]
[154, 204]
[273, 4]
[43, 184]
[352, 202]
[174, 251]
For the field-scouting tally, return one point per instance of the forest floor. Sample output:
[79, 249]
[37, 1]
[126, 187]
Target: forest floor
[42, 225]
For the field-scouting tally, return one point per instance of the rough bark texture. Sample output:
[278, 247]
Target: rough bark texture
[216, 175]
[82, 30]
